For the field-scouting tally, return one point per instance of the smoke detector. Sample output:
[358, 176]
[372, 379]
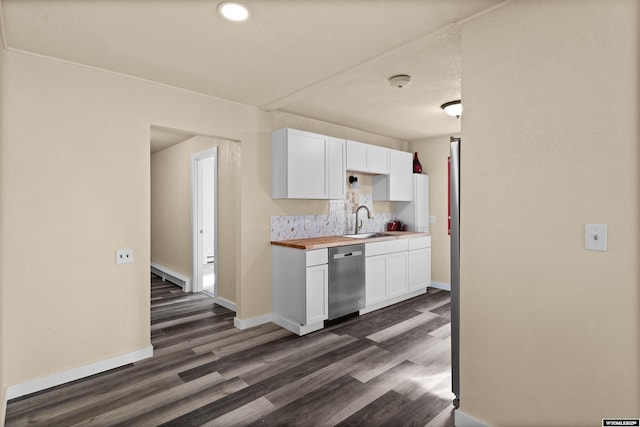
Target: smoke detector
[400, 80]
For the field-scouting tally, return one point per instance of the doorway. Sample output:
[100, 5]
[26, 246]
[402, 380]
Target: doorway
[204, 208]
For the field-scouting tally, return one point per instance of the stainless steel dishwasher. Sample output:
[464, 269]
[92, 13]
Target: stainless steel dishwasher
[346, 280]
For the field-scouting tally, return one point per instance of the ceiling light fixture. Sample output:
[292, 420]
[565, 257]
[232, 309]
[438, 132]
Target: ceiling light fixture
[233, 11]
[453, 108]
[400, 80]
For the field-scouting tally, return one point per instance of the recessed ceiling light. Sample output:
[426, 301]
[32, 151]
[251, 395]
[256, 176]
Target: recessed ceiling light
[233, 11]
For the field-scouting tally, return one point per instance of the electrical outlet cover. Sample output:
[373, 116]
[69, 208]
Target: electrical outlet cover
[595, 237]
[124, 256]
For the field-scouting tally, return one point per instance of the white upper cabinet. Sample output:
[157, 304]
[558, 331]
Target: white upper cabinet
[416, 212]
[306, 165]
[398, 185]
[356, 156]
[378, 159]
[367, 158]
[337, 165]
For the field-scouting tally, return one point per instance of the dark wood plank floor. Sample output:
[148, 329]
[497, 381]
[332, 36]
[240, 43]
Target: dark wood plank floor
[386, 368]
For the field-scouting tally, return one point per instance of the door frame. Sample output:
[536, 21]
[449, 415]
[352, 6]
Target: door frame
[197, 255]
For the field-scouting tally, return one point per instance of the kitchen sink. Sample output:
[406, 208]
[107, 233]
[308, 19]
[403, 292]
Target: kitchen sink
[367, 235]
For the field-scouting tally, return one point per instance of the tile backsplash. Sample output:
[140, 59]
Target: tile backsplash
[341, 220]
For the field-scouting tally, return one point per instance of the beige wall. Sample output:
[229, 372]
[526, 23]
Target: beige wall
[171, 240]
[433, 154]
[76, 174]
[550, 332]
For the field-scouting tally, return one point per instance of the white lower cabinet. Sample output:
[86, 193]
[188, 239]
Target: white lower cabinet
[317, 295]
[419, 268]
[375, 279]
[419, 263]
[300, 281]
[397, 283]
[396, 270]
[386, 277]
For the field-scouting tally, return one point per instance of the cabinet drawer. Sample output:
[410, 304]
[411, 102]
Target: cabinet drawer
[379, 248]
[420, 242]
[317, 257]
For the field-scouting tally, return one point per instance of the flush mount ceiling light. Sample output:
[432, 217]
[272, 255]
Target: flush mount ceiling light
[453, 108]
[400, 80]
[233, 11]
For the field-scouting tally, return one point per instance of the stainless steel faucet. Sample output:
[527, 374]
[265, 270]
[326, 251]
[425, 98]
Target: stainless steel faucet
[359, 225]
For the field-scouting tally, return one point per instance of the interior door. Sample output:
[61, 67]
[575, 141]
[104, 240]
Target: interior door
[205, 220]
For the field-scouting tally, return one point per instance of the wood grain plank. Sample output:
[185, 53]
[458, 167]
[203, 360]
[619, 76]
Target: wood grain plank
[381, 412]
[123, 413]
[243, 415]
[402, 327]
[189, 404]
[389, 367]
[319, 378]
[317, 407]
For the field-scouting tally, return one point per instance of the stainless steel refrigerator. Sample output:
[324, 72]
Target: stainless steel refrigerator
[454, 227]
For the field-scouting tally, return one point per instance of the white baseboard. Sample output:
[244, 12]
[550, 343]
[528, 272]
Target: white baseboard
[464, 420]
[225, 303]
[172, 276]
[440, 285]
[251, 322]
[392, 301]
[3, 410]
[28, 387]
[295, 327]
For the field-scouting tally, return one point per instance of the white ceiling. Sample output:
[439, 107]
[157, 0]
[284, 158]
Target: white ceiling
[325, 59]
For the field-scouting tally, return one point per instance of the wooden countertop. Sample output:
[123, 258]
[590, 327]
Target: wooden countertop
[331, 241]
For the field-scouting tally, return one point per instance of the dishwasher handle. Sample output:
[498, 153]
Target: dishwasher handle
[349, 254]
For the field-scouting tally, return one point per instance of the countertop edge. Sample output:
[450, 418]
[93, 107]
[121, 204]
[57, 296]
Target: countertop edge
[332, 241]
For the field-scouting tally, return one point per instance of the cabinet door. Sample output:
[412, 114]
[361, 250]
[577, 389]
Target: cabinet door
[306, 165]
[397, 283]
[375, 279]
[398, 184]
[317, 294]
[421, 200]
[377, 159]
[419, 269]
[356, 156]
[336, 172]
[400, 176]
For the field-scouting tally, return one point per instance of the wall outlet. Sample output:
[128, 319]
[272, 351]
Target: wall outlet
[307, 224]
[124, 256]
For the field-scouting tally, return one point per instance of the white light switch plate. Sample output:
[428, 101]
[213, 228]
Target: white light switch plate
[595, 237]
